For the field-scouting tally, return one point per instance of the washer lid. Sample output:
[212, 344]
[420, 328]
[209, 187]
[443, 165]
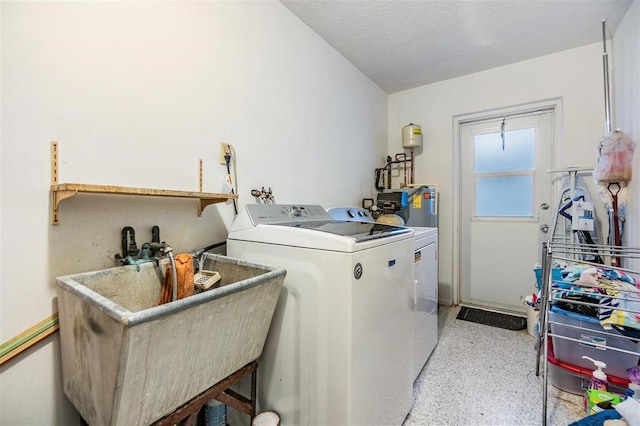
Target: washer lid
[310, 226]
[359, 231]
[316, 218]
[346, 237]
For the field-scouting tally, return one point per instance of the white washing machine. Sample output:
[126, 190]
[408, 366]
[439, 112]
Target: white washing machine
[340, 347]
[425, 291]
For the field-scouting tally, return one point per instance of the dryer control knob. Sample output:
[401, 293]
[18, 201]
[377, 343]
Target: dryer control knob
[295, 211]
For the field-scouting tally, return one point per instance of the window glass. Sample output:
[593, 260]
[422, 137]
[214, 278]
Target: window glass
[518, 153]
[510, 196]
[502, 190]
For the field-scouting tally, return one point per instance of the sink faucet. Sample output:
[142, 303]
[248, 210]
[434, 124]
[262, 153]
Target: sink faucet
[129, 245]
[174, 272]
[150, 252]
[154, 250]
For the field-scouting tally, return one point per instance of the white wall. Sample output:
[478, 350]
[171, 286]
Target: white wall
[135, 93]
[574, 75]
[626, 103]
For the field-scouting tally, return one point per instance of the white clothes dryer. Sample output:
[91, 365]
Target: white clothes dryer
[426, 296]
[340, 347]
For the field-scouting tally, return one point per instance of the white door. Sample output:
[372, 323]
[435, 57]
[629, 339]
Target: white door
[504, 199]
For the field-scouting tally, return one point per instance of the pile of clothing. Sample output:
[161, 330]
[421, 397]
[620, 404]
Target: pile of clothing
[609, 294]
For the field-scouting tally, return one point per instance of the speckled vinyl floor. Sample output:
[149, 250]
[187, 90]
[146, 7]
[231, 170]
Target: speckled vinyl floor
[481, 375]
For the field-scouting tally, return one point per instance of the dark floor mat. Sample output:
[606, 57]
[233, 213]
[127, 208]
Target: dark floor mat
[493, 319]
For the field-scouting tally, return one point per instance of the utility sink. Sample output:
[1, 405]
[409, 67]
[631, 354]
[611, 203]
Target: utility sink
[126, 361]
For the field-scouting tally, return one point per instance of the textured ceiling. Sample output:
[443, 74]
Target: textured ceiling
[401, 44]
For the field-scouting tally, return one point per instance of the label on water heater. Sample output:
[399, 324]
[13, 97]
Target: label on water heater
[417, 202]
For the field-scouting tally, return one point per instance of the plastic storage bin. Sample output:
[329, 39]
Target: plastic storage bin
[573, 379]
[591, 344]
[556, 275]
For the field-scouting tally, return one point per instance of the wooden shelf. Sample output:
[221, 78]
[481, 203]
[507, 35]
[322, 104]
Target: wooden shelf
[65, 190]
[62, 191]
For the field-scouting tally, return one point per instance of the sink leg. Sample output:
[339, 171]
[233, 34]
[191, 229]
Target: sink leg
[222, 392]
[254, 382]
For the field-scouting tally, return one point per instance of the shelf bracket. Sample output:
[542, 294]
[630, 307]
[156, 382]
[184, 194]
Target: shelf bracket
[58, 196]
[204, 202]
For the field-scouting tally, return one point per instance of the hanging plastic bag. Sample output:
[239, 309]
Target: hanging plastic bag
[615, 160]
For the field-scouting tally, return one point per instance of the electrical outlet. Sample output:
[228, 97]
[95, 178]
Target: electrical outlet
[225, 149]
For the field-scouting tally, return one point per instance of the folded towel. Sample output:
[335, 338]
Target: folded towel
[184, 269]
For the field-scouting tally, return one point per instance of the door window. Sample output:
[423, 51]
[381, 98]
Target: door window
[504, 165]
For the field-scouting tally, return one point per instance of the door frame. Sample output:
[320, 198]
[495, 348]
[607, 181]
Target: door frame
[554, 105]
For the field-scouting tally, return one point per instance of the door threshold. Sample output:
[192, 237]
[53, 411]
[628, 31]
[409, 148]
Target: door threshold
[496, 310]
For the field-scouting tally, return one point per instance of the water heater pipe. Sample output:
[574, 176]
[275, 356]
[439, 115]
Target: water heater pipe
[411, 182]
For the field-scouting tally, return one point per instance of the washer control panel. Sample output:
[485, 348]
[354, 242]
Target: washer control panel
[354, 214]
[270, 214]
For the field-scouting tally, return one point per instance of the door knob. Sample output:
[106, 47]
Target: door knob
[544, 206]
[544, 228]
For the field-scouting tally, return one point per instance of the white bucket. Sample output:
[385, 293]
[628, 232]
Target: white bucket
[532, 319]
[267, 418]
